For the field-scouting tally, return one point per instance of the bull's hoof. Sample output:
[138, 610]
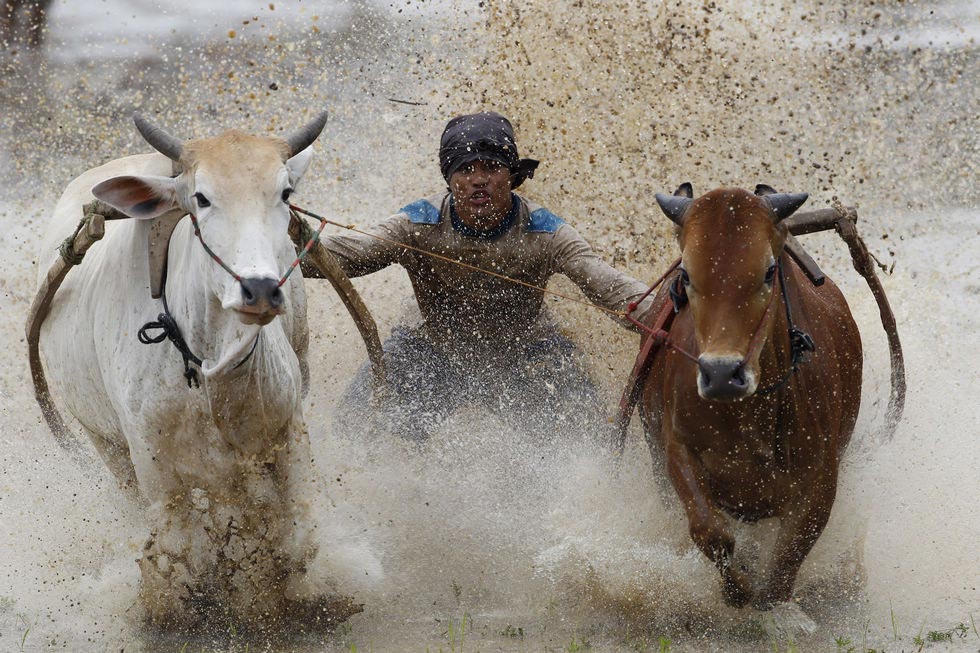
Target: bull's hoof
[787, 620]
[736, 587]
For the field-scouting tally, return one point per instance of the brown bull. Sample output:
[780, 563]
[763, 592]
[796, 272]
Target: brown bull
[749, 426]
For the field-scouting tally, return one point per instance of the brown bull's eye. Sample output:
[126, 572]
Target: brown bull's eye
[685, 277]
[770, 274]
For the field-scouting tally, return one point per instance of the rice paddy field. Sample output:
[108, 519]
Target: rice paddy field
[490, 540]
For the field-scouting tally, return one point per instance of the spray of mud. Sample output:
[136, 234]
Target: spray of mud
[530, 546]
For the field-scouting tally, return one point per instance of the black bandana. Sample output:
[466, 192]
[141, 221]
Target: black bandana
[481, 137]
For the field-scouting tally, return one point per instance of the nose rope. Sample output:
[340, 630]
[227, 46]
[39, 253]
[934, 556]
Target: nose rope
[309, 245]
[800, 342]
[236, 276]
[215, 257]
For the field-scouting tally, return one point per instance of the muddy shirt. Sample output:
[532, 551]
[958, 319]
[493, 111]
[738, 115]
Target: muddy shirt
[466, 310]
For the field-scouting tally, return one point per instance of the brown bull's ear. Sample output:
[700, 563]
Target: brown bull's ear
[763, 189]
[675, 206]
[785, 204]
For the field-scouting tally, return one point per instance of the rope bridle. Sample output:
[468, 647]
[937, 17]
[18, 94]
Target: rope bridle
[800, 341]
[167, 326]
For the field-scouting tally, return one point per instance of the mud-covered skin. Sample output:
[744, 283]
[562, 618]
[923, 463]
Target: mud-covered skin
[235, 569]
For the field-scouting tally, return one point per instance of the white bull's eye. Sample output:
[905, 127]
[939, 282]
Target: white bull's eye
[202, 201]
[286, 193]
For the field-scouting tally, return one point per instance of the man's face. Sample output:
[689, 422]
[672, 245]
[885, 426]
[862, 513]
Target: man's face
[481, 192]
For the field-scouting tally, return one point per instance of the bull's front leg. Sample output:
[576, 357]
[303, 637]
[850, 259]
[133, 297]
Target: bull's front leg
[706, 523]
[800, 526]
[301, 493]
[312, 595]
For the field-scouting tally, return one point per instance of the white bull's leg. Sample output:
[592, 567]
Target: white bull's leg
[312, 591]
[301, 493]
[219, 550]
[180, 547]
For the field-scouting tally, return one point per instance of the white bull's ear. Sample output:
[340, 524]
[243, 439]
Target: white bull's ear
[297, 164]
[143, 197]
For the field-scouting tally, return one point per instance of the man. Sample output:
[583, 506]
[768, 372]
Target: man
[482, 340]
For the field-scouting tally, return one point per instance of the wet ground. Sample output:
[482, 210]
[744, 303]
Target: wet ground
[531, 547]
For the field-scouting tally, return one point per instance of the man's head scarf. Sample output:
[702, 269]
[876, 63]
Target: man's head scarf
[486, 136]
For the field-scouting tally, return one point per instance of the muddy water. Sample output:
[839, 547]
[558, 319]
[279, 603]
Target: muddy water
[537, 547]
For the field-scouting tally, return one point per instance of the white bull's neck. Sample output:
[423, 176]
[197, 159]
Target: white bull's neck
[216, 335]
[251, 386]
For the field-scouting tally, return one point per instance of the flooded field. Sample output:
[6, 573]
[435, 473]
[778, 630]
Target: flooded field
[488, 541]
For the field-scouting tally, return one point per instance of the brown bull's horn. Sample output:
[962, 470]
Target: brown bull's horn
[303, 137]
[785, 204]
[674, 206]
[161, 141]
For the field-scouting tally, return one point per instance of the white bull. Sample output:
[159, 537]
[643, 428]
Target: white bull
[225, 468]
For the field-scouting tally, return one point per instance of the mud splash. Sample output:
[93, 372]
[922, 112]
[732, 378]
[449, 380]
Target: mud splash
[531, 547]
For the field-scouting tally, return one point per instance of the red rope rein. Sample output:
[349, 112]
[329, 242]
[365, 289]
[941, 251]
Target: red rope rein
[659, 335]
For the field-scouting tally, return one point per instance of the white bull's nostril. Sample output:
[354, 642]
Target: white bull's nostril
[261, 293]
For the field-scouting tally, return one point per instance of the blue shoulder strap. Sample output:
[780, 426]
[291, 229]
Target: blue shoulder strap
[421, 212]
[544, 221]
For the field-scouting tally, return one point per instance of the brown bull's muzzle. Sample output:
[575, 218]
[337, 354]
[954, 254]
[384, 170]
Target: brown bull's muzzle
[725, 378]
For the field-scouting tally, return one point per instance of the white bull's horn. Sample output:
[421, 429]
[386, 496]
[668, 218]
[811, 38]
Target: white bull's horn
[162, 142]
[303, 137]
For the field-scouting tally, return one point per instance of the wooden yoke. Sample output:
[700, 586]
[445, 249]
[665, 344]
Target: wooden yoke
[73, 249]
[321, 264]
[843, 220]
